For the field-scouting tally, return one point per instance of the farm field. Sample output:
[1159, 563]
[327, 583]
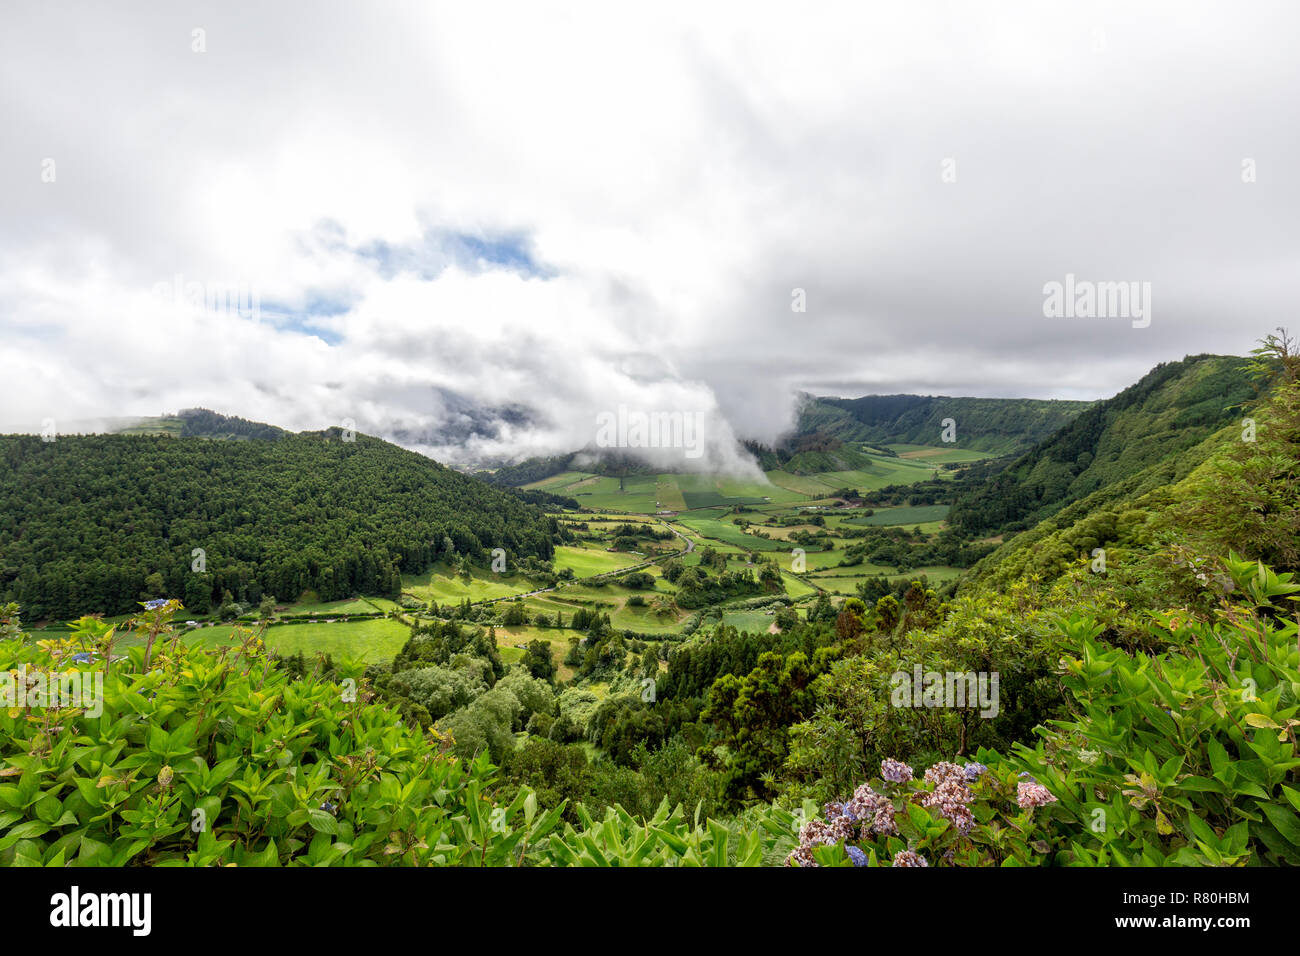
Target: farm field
[938, 454]
[371, 640]
[728, 533]
[753, 620]
[909, 516]
[796, 588]
[512, 640]
[443, 588]
[366, 605]
[587, 561]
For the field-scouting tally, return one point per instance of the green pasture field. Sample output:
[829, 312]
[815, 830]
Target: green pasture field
[637, 494]
[795, 587]
[772, 493]
[938, 454]
[362, 605]
[728, 533]
[511, 641]
[806, 485]
[931, 527]
[753, 620]
[559, 484]
[588, 561]
[437, 585]
[371, 640]
[908, 516]
[840, 584]
[706, 491]
[645, 620]
[668, 494]
[813, 560]
[612, 599]
[941, 574]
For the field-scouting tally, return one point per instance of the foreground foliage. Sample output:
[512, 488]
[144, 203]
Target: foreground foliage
[203, 758]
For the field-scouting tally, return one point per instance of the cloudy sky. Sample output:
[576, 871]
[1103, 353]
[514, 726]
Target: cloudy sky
[499, 220]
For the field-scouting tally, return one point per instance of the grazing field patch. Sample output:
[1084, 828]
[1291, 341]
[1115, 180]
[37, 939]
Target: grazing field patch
[586, 562]
[445, 588]
[371, 639]
[938, 454]
[512, 640]
[728, 533]
[912, 515]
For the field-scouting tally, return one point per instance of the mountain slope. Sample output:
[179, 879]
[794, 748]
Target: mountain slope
[999, 426]
[1118, 515]
[85, 521]
[1220, 496]
[1170, 410]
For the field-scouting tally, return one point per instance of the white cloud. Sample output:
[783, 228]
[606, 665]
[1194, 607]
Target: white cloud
[672, 174]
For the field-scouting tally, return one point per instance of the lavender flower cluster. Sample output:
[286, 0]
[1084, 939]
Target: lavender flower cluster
[1030, 793]
[895, 771]
[909, 858]
[868, 813]
[950, 795]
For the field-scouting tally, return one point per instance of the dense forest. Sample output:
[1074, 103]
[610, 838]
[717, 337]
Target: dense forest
[99, 522]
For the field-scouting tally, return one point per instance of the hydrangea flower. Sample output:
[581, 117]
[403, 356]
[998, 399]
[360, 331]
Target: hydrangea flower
[874, 809]
[909, 858]
[155, 604]
[945, 772]
[895, 771]
[950, 795]
[1030, 795]
[835, 809]
[814, 833]
[856, 855]
[974, 771]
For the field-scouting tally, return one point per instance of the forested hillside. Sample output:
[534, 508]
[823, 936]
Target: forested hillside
[999, 426]
[204, 423]
[1153, 423]
[99, 522]
[1235, 489]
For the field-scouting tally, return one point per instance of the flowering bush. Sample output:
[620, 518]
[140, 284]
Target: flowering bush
[955, 815]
